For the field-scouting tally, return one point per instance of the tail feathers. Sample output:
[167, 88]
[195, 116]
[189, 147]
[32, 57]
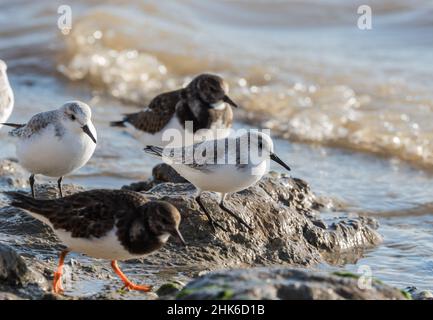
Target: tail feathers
[154, 150]
[22, 201]
[13, 125]
[120, 124]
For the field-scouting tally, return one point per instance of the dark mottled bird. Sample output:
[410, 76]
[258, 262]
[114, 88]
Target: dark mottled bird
[204, 102]
[106, 224]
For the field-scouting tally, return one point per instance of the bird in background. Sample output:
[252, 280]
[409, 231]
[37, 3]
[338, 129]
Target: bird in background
[105, 224]
[204, 102]
[223, 166]
[6, 94]
[55, 143]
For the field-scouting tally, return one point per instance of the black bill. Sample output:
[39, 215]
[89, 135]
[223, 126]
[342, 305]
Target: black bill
[230, 101]
[179, 237]
[89, 133]
[279, 161]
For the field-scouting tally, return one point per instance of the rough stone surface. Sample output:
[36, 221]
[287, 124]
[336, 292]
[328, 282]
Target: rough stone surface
[14, 275]
[283, 210]
[283, 284]
[420, 294]
[287, 227]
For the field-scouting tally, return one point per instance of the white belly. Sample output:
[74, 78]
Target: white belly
[53, 157]
[223, 178]
[107, 247]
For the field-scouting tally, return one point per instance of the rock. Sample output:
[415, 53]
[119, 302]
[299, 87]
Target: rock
[417, 294]
[9, 296]
[13, 269]
[288, 230]
[161, 173]
[12, 175]
[283, 284]
[170, 289]
[15, 274]
[287, 226]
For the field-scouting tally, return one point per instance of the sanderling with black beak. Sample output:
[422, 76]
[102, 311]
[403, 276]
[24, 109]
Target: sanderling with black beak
[55, 143]
[222, 166]
[204, 103]
[6, 94]
[105, 224]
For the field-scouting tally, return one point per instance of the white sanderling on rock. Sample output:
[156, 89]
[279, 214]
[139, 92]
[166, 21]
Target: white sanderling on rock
[55, 143]
[6, 94]
[222, 166]
[202, 109]
[105, 224]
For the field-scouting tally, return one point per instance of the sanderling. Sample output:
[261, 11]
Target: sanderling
[56, 143]
[204, 103]
[106, 224]
[6, 94]
[223, 166]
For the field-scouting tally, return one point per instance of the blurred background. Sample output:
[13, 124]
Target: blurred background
[351, 109]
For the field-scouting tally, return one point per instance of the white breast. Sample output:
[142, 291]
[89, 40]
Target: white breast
[6, 102]
[45, 153]
[225, 178]
[107, 247]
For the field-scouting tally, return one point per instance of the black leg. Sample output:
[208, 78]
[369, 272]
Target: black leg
[234, 215]
[212, 222]
[59, 184]
[32, 184]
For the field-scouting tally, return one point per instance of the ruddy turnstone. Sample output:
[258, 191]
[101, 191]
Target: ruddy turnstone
[106, 224]
[55, 143]
[6, 94]
[204, 102]
[223, 166]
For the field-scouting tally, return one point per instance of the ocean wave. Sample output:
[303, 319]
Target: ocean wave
[310, 91]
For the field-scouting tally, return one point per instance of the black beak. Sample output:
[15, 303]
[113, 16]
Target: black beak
[89, 133]
[230, 101]
[279, 161]
[176, 233]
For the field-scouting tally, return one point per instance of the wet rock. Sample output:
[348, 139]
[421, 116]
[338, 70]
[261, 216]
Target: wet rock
[288, 230]
[283, 284]
[12, 175]
[161, 173]
[417, 294]
[170, 289]
[287, 226]
[12, 267]
[15, 275]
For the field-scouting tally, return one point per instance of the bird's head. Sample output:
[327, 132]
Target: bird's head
[211, 89]
[263, 146]
[163, 220]
[78, 116]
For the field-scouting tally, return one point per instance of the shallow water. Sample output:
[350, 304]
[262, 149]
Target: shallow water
[301, 68]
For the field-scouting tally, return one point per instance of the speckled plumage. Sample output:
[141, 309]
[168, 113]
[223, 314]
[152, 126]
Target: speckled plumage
[37, 123]
[195, 103]
[91, 215]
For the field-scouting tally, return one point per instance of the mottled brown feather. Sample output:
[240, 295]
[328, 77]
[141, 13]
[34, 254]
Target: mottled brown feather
[158, 114]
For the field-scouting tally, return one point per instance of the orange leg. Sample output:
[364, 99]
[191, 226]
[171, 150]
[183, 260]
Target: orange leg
[126, 281]
[57, 282]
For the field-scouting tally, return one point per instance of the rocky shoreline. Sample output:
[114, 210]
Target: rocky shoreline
[288, 233]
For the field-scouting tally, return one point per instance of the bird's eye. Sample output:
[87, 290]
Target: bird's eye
[73, 118]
